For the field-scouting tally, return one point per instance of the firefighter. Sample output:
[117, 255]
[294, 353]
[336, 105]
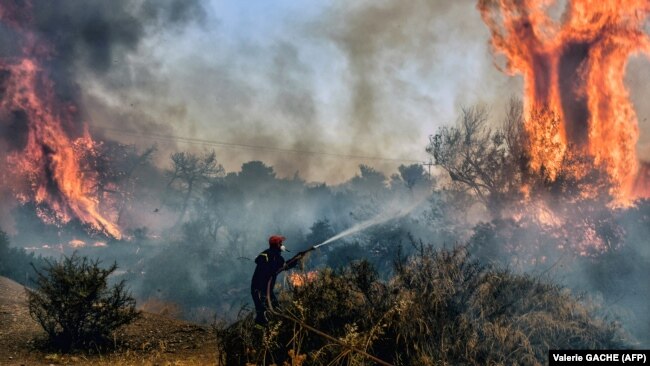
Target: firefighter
[269, 263]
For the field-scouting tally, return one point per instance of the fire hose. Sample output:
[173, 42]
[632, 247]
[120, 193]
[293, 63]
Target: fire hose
[269, 303]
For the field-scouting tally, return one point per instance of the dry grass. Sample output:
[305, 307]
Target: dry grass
[155, 305]
[440, 308]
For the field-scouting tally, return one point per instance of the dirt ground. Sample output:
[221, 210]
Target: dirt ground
[151, 340]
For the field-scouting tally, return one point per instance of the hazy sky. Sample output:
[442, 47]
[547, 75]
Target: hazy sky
[371, 78]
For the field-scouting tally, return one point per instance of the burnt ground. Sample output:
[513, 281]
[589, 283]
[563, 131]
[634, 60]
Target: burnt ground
[151, 340]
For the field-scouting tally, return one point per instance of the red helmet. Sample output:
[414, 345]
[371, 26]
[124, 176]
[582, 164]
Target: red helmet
[276, 241]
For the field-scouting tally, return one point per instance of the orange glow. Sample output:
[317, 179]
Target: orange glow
[573, 69]
[50, 161]
[76, 243]
[300, 279]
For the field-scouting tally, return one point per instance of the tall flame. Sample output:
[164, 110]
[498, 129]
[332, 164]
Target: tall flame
[573, 70]
[50, 160]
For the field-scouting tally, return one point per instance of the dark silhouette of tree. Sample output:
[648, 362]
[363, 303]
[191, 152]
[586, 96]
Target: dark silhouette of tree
[256, 171]
[189, 171]
[369, 180]
[320, 231]
[413, 175]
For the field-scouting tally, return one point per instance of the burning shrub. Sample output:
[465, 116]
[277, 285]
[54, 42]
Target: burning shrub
[439, 307]
[74, 304]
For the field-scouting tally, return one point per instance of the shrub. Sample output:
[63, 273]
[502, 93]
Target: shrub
[74, 304]
[439, 307]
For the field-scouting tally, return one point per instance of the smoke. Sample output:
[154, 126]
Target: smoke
[375, 36]
[364, 79]
[388, 213]
[370, 78]
[100, 34]
[410, 65]
[95, 37]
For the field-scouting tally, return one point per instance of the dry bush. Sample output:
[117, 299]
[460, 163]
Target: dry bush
[440, 307]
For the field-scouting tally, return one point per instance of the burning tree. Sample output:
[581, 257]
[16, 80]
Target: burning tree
[563, 162]
[573, 69]
[569, 206]
[48, 140]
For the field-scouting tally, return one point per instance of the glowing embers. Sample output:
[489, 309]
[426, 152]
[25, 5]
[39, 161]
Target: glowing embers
[573, 71]
[297, 279]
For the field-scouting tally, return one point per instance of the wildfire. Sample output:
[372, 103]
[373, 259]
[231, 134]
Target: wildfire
[573, 69]
[49, 159]
[300, 279]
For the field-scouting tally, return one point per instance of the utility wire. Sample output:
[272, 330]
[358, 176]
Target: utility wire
[233, 145]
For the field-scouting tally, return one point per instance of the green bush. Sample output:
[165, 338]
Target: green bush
[74, 304]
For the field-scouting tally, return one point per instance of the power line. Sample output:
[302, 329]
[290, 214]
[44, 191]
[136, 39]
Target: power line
[232, 145]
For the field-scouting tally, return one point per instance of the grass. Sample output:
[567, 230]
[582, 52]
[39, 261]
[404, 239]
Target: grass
[439, 307]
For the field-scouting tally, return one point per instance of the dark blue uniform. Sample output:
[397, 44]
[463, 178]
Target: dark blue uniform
[269, 262]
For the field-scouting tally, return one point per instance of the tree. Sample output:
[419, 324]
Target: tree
[129, 182]
[256, 172]
[369, 180]
[14, 262]
[74, 304]
[320, 231]
[190, 170]
[413, 175]
[488, 162]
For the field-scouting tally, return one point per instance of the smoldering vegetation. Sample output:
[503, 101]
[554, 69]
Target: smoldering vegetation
[438, 307]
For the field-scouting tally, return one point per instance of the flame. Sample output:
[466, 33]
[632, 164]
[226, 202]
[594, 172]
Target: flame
[573, 69]
[50, 162]
[76, 243]
[300, 279]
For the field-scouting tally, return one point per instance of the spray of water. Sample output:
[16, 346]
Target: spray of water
[379, 219]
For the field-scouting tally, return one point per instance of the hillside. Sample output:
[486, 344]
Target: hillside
[153, 339]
